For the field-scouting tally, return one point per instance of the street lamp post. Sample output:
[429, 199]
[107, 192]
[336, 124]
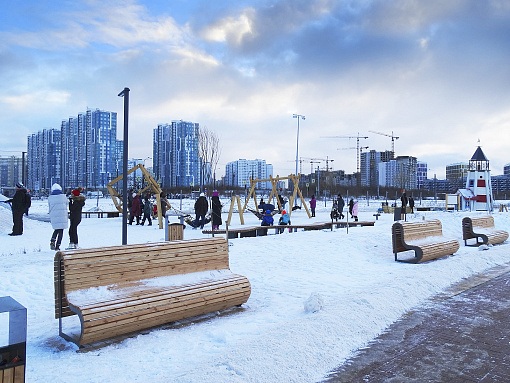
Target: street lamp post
[125, 94]
[298, 116]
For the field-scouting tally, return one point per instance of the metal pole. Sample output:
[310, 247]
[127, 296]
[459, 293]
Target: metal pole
[125, 94]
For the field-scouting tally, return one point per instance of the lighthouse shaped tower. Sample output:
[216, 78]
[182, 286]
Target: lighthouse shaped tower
[479, 181]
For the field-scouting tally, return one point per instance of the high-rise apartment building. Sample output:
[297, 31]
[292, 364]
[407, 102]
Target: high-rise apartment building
[44, 159]
[10, 171]
[238, 173]
[369, 168]
[176, 160]
[399, 173]
[83, 152]
[421, 174]
[91, 153]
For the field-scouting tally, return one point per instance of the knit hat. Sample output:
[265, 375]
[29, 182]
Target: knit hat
[19, 185]
[284, 212]
[215, 193]
[56, 187]
[76, 192]
[202, 195]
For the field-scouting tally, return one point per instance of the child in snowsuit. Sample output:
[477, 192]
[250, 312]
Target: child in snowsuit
[284, 220]
[267, 219]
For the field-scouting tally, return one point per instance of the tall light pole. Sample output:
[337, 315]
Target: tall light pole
[125, 94]
[298, 116]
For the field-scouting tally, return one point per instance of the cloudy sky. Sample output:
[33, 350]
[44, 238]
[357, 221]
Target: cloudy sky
[434, 73]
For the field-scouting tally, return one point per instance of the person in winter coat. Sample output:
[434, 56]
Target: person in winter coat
[201, 207]
[136, 209]
[57, 205]
[19, 204]
[164, 203]
[403, 199]
[353, 209]
[216, 211]
[267, 219]
[313, 204]
[147, 211]
[284, 220]
[341, 204]
[76, 203]
[411, 204]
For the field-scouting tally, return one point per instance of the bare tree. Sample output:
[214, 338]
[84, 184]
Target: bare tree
[209, 151]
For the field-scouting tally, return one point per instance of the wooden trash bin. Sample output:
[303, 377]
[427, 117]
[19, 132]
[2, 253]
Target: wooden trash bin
[175, 232]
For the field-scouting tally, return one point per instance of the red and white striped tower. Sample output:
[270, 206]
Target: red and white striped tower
[479, 181]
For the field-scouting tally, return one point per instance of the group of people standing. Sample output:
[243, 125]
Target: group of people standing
[141, 210]
[202, 211]
[60, 207]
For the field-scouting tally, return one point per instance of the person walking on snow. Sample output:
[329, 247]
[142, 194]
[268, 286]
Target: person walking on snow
[136, 209]
[147, 211]
[57, 205]
[201, 208]
[76, 203]
[313, 204]
[341, 205]
[216, 210]
[20, 204]
[353, 209]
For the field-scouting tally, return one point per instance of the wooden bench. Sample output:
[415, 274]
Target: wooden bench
[119, 290]
[100, 214]
[482, 230]
[425, 238]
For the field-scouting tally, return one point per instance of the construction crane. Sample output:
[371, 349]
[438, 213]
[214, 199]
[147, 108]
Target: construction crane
[393, 138]
[327, 160]
[358, 137]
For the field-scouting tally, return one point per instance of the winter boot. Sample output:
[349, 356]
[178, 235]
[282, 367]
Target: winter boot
[52, 245]
[71, 246]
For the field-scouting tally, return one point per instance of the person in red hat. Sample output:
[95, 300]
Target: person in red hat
[76, 203]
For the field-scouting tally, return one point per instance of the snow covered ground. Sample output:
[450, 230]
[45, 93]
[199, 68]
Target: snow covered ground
[350, 277]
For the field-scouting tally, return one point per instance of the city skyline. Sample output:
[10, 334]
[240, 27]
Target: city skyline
[432, 73]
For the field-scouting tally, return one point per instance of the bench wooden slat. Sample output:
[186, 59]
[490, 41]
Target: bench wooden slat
[132, 303]
[425, 238]
[482, 230]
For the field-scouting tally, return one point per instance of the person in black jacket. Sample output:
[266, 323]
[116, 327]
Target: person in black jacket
[201, 208]
[19, 204]
[76, 203]
[216, 210]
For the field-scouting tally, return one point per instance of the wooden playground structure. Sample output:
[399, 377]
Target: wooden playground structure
[152, 186]
[273, 195]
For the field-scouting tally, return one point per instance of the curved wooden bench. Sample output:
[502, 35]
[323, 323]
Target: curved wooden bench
[482, 230]
[425, 238]
[123, 289]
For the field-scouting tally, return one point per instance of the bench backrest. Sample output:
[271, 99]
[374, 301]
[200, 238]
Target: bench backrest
[408, 231]
[85, 268]
[485, 221]
[421, 229]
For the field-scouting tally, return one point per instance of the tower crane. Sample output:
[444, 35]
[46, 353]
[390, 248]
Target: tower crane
[314, 160]
[393, 138]
[358, 137]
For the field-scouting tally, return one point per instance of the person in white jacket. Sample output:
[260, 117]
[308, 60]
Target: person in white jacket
[57, 203]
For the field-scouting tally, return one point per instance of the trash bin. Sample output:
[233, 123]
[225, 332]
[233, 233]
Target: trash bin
[13, 354]
[175, 232]
[397, 214]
